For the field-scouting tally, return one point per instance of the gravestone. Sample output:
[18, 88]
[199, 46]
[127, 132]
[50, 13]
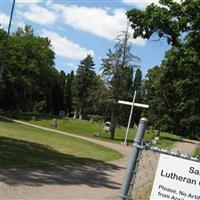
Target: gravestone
[96, 134]
[53, 123]
[91, 120]
[34, 118]
[154, 142]
[62, 113]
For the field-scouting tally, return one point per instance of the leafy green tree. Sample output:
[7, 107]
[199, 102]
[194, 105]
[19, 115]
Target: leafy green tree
[68, 98]
[137, 86]
[168, 21]
[57, 92]
[137, 83]
[83, 83]
[180, 87]
[98, 95]
[153, 97]
[28, 71]
[178, 76]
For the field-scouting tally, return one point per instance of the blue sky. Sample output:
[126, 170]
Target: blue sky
[80, 27]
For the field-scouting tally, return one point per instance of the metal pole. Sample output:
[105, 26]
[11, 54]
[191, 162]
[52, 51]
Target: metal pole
[6, 45]
[133, 160]
[130, 116]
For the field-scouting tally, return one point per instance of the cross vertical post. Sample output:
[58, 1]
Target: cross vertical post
[130, 117]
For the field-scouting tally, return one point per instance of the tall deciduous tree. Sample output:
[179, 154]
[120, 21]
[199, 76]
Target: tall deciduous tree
[178, 79]
[170, 20]
[28, 71]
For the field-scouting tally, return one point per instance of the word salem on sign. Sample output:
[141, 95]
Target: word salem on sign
[176, 179]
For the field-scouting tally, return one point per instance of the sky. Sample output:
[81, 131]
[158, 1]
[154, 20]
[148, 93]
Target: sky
[77, 28]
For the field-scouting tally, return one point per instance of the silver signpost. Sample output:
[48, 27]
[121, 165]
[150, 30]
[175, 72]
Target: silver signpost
[132, 104]
[125, 191]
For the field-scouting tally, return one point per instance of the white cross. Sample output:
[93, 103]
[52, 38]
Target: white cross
[132, 104]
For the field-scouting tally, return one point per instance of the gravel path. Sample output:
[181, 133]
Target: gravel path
[90, 182]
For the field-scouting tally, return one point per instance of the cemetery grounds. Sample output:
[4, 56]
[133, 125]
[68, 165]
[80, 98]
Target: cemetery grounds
[60, 154]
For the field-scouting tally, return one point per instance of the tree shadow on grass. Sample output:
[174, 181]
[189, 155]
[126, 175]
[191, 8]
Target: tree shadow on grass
[5, 120]
[32, 164]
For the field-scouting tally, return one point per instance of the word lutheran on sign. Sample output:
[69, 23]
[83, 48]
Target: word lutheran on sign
[176, 179]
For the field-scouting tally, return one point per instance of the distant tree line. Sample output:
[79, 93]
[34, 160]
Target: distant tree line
[31, 83]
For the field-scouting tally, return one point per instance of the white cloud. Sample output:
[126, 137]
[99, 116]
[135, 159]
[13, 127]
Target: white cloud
[4, 20]
[143, 3]
[66, 48]
[28, 1]
[139, 41]
[72, 66]
[101, 22]
[39, 15]
[140, 4]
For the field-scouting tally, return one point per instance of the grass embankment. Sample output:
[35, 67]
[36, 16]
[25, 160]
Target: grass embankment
[88, 129]
[26, 147]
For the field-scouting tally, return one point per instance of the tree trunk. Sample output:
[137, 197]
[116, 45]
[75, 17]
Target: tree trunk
[113, 126]
[74, 117]
[158, 131]
[80, 114]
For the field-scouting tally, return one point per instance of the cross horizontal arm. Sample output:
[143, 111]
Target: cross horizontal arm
[141, 105]
[125, 102]
[135, 104]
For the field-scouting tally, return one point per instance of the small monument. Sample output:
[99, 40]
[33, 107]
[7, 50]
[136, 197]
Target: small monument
[107, 126]
[34, 118]
[96, 134]
[53, 123]
[62, 113]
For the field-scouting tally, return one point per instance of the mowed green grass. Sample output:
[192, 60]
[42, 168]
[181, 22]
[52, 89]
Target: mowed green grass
[197, 152]
[26, 147]
[88, 129]
[143, 194]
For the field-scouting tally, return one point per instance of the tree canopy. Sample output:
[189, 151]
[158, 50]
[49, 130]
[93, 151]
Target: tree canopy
[174, 86]
[29, 70]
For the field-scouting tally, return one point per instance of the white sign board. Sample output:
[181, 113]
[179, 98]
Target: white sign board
[176, 179]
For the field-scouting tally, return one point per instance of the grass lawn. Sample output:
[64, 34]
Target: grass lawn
[26, 147]
[197, 152]
[86, 128]
[143, 194]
